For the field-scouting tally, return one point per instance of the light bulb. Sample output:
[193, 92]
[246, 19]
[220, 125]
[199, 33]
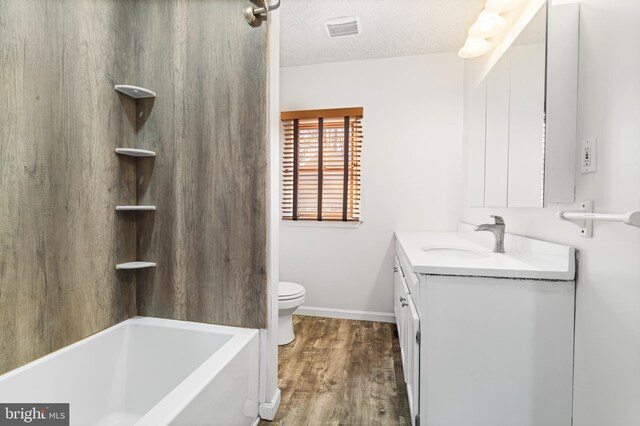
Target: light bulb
[474, 47]
[499, 6]
[489, 24]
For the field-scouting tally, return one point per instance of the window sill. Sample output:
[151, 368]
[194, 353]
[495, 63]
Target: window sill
[316, 224]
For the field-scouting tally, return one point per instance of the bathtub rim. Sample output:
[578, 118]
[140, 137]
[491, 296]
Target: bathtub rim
[138, 319]
[172, 404]
[59, 352]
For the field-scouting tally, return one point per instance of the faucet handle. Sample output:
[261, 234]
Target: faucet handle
[498, 219]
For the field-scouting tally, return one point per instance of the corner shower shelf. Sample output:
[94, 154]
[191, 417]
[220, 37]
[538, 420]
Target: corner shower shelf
[135, 91]
[134, 152]
[135, 265]
[135, 208]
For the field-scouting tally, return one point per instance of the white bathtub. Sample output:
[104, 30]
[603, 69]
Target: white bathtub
[148, 371]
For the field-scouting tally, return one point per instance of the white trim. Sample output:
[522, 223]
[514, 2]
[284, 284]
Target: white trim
[269, 409]
[311, 311]
[256, 422]
[321, 224]
[264, 354]
[269, 336]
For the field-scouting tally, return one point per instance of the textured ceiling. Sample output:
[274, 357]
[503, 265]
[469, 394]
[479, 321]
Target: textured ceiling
[389, 28]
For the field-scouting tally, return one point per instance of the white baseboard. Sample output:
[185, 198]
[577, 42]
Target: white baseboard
[268, 410]
[256, 422]
[310, 311]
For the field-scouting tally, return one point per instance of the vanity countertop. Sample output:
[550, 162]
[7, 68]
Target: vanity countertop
[470, 253]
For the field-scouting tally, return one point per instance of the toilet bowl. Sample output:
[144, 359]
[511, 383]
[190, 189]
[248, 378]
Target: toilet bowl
[290, 296]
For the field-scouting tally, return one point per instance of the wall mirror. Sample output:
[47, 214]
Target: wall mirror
[521, 118]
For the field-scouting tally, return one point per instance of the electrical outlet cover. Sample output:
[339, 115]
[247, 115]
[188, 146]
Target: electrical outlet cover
[588, 155]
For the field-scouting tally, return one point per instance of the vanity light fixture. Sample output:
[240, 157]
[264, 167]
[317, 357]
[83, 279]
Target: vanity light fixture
[475, 47]
[489, 24]
[500, 6]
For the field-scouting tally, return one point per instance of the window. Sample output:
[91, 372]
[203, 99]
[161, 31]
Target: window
[321, 165]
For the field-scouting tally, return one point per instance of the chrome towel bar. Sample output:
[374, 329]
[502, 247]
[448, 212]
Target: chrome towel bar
[587, 215]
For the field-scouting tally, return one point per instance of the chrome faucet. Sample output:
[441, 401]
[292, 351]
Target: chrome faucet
[498, 232]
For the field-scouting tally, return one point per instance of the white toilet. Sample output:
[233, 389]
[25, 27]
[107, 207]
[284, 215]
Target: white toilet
[290, 296]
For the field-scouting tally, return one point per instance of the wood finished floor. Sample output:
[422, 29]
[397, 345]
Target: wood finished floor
[341, 372]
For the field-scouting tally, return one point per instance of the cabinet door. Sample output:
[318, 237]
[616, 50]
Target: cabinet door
[400, 296]
[413, 360]
[526, 124]
[497, 135]
[397, 293]
[562, 95]
[475, 121]
[405, 338]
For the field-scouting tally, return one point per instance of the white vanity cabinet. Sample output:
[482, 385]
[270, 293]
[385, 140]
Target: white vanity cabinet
[485, 350]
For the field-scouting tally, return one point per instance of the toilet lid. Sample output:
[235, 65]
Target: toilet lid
[289, 290]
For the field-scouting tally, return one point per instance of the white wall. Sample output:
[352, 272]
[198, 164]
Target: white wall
[607, 351]
[410, 176]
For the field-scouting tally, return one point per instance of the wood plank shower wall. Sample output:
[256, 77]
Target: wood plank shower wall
[60, 121]
[208, 126]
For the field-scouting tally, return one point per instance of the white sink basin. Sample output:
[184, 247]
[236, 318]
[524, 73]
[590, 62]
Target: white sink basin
[471, 253]
[457, 252]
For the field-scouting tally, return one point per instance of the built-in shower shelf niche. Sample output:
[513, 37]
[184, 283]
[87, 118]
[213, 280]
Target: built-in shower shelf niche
[135, 208]
[135, 265]
[134, 152]
[135, 91]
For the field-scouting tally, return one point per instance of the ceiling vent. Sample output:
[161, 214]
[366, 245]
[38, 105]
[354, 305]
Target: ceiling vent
[343, 27]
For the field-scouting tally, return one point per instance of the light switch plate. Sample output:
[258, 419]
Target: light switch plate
[588, 155]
